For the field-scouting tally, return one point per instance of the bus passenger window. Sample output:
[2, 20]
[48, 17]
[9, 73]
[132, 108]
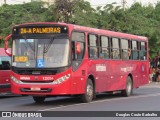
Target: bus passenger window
[142, 52]
[93, 52]
[126, 51]
[105, 53]
[129, 52]
[135, 55]
[116, 54]
[115, 48]
[104, 43]
[93, 46]
[78, 49]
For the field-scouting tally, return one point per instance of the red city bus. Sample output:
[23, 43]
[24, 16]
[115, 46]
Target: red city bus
[4, 71]
[50, 59]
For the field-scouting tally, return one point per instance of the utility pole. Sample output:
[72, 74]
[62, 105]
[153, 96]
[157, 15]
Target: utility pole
[124, 4]
[5, 2]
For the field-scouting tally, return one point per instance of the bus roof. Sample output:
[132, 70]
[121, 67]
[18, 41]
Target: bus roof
[92, 30]
[2, 52]
[111, 33]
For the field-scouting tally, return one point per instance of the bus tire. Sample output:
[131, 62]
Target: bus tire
[129, 88]
[38, 99]
[89, 92]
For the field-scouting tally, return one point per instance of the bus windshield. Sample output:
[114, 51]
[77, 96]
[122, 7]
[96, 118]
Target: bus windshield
[40, 53]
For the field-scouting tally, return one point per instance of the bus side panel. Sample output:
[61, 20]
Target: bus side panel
[117, 71]
[117, 77]
[144, 67]
[4, 80]
[139, 73]
[121, 69]
[136, 73]
[101, 71]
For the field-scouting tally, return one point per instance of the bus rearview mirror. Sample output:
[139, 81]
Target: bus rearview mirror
[78, 48]
[6, 45]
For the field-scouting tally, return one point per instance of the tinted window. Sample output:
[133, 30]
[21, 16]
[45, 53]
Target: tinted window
[135, 50]
[143, 51]
[125, 49]
[115, 48]
[77, 36]
[93, 46]
[115, 43]
[78, 49]
[104, 47]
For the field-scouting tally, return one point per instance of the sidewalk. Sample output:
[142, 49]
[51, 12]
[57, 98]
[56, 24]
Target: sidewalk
[152, 84]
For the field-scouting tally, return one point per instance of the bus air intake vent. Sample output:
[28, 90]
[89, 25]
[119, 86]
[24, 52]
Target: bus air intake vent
[35, 72]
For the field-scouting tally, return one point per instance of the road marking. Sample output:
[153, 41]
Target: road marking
[112, 99]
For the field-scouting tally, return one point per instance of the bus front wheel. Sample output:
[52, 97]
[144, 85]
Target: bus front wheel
[89, 92]
[38, 99]
[129, 88]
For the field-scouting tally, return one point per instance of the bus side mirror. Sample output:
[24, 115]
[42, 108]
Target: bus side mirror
[6, 45]
[78, 48]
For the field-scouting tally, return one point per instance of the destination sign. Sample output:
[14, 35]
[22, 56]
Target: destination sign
[40, 30]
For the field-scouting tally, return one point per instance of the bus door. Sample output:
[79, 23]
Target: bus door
[79, 66]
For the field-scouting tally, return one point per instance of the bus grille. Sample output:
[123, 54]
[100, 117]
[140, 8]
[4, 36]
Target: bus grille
[41, 82]
[36, 72]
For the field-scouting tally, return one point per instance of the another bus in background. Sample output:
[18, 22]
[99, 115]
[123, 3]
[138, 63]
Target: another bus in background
[5, 61]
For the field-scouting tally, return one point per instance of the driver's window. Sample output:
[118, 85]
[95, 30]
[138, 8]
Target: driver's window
[78, 49]
[78, 46]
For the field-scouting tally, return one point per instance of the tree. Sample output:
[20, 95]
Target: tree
[72, 11]
[64, 9]
[138, 19]
[11, 15]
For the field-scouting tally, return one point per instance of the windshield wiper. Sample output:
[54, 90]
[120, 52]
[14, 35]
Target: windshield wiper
[49, 45]
[29, 44]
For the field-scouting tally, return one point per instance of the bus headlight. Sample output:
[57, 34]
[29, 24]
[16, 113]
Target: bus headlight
[16, 80]
[61, 79]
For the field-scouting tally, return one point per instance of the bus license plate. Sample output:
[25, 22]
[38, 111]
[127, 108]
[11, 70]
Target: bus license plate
[35, 89]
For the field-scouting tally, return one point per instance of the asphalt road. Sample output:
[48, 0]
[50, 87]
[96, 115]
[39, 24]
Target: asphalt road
[145, 98]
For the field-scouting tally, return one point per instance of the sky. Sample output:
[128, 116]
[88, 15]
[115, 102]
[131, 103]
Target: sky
[14, 1]
[94, 3]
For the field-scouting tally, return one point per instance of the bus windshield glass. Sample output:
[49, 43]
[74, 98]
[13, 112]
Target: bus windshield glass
[40, 53]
